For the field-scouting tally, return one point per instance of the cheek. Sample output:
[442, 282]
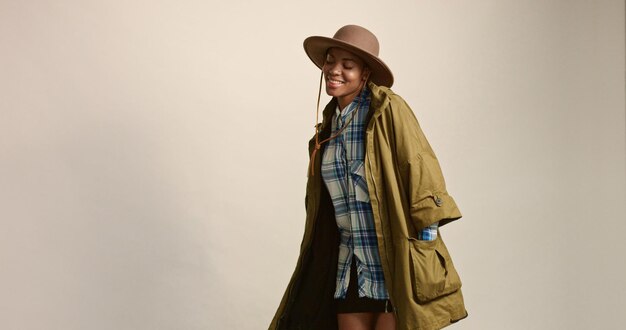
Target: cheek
[353, 76]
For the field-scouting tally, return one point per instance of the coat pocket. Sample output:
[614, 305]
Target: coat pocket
[432, 273]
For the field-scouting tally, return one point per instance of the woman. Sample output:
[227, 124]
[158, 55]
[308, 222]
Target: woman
[371, 256]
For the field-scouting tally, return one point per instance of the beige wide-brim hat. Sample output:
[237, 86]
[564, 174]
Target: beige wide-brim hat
[357, 40]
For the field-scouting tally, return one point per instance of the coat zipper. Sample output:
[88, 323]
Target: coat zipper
[369, 159]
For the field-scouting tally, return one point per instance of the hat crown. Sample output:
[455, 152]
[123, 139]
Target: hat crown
[357, 40]
[359, 37]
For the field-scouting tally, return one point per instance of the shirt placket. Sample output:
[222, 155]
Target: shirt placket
[347, 157]
[342, 184]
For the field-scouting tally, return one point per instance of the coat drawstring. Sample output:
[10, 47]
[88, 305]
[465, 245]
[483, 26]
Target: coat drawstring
[318, 143]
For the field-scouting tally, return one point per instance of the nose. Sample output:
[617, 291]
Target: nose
[332, 68]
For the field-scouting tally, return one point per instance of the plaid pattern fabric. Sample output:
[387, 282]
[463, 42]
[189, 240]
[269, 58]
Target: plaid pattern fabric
[429, 233]
[343, 171]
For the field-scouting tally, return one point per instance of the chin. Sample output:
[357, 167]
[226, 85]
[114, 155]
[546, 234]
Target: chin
[332, 92]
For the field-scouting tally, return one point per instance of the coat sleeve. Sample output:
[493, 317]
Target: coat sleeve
[421, 175]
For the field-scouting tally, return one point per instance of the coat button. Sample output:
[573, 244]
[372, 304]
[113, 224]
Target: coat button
[438, 201]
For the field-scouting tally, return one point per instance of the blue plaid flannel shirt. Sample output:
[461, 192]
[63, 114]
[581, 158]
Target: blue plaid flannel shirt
[343, 171]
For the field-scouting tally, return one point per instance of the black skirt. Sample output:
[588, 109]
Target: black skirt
[355, 304]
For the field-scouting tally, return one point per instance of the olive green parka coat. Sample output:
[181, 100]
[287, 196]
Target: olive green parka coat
[407, 192]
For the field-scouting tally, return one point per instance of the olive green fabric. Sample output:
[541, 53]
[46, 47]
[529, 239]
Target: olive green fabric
[407, 191]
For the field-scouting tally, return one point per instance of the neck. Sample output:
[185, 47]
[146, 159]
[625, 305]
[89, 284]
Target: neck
[343, 101]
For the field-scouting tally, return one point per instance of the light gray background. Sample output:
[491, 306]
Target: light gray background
[153, 155]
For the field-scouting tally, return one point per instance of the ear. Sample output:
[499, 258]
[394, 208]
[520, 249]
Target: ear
[366, 73]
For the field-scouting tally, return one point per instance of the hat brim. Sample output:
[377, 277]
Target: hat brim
[316, 48]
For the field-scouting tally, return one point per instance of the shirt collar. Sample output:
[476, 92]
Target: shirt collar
[361, 99]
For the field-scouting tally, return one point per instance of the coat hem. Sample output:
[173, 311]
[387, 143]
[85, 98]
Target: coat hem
[441, 323]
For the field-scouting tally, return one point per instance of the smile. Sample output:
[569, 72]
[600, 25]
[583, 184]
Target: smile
[334, 82]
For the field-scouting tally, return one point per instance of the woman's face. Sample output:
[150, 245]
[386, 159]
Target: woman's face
[344, 73]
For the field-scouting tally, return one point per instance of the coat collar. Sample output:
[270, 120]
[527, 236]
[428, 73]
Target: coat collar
[380, 98]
